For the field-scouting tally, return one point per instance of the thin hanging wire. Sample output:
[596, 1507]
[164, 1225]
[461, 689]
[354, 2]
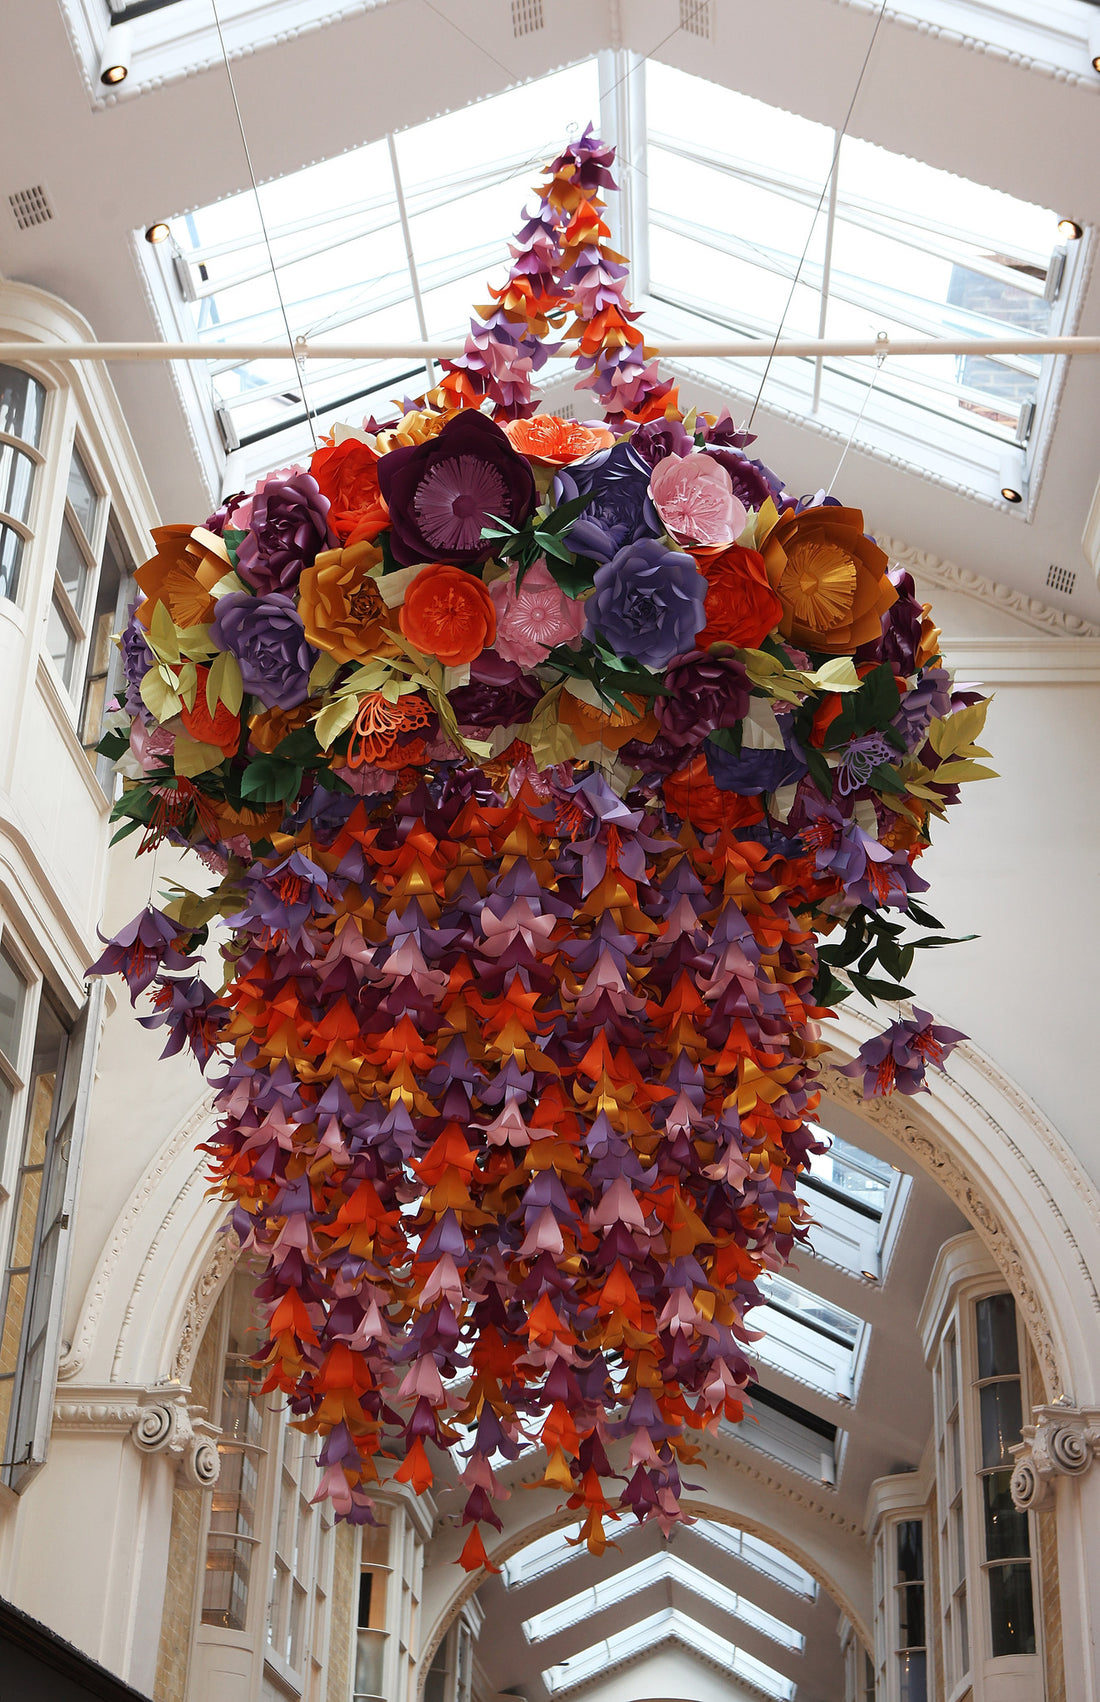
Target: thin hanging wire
[858, 420]
[817, 210]
[299, 362]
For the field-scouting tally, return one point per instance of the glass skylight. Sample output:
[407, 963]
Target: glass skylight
[339, 248]
[659, 1628]
[856, 1201]
[742, 1545]
[810, 1339]
[790, 1434]
[661, 1568]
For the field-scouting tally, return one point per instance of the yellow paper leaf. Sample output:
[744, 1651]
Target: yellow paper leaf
[837, 674]
[228, 584]
[195, 642]
[224, 684]
[322, 674]
[162, 638]
[188, 683]
[191, 757]
[550, 739]
[334, 719]
[952, 773]
[953, 732]
[160, 699]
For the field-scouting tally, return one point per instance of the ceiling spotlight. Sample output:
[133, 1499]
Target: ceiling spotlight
[871, 1276]
[1013, 477]
[1070, 231]
[114, 62]
[158, 232]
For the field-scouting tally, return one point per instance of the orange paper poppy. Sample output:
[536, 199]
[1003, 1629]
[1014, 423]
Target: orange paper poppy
[449, 614]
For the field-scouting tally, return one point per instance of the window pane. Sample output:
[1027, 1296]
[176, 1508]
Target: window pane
[911, 1550]
[11, 554]
[913, 1677]
[1002, 1418]
[370, 1648]
[16, 480]
[225, 1583]
[61, 642]
[13, 999]
[82, 495]
[998, 1350]
[1011, 1610]
[72, 569]
[22, 402]
[911, 1616]
[1006, 1533]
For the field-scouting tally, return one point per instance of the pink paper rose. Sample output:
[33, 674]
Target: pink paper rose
[533, 619]
[694, 497]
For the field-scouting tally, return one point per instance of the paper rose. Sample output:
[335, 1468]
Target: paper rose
[694, 497]
[658, 438]
[341, 607]
[830, 578]
[442, 493]
[287, 526]
[499, 693]
[449, 614]
[619, 509]
[702, 691]
[647, 603]
[266, 636]
[741, 607]
[532, 620]
[752, 482]
[347, 474]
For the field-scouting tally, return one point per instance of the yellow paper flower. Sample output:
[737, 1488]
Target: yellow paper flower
[829, 577]
[341, 607]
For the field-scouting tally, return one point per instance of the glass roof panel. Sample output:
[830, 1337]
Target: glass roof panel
[656, 1629]
[760, 1555]
[661, 1568]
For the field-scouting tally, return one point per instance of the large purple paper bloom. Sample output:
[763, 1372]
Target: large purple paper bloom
[499, 693]
[619, 511]
[753, 483]
[647, 603]
[703, 690]
[754, 771]
[899, 640]
[442, 494]
[897, 1058]
[288, 525]
[266, 636]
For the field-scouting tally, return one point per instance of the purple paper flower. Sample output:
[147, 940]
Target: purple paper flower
[191, 1011]
[723, 434]
[860, 759]
[752, 482]
[137, 659]
[647, 603]
[222, 520]
[703, 690]
[442, 494]
[499, 693]
[931, 696]
[141, 949]
[619, 510]
[287, 527]
[266, 636]
[897, 1058]
[901, 628]
[658, 438]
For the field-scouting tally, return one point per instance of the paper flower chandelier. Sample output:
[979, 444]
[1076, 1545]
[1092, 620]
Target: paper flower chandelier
[532, 759]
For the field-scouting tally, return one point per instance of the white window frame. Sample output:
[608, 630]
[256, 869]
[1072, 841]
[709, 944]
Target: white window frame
[78, 621]
[30, 527]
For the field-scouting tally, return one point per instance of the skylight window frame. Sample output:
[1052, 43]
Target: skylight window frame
[753, 1551]
[792, 1343]
[661, 1568]
[789, 1440]
[848, 1233]
[646, 1635]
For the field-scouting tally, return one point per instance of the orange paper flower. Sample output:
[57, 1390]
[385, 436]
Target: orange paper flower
[269, 727]
[611, 728]
[188, 564]
[341, 608]
[347, 474]
[741, 607]
[449, 614]
[556, 442]
[223, 728]
[829, 577]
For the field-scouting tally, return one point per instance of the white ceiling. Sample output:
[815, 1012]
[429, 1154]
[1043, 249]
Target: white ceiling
[110, 169]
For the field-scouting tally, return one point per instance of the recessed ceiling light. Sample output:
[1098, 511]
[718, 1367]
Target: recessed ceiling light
[158, 232]
[114, 62]
[1069, 230]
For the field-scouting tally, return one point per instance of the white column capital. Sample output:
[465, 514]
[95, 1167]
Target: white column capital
[1062, 1442]
[160, 1420]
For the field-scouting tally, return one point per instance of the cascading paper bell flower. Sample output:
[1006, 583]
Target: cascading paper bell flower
[556, 777]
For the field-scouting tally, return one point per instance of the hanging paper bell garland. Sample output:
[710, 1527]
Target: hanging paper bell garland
[532, 764]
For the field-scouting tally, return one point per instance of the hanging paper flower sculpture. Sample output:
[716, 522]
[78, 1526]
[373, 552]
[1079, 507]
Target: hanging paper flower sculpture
[533, 759]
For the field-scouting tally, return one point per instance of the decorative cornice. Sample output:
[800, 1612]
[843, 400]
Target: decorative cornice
[1063, 1442]
[950, 576]
[961, 1187]
[201, 1302]
[1050, 68]
[125, 1224]
[158, 1420]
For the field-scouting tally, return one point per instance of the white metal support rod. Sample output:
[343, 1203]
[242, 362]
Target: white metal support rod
[756, 348]
[410, 258]
[826, 274]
